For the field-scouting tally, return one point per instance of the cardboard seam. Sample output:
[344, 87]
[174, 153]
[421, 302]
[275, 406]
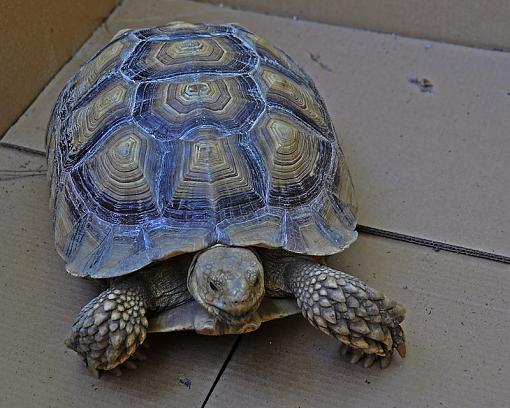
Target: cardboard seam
[222, 370]
[23, 149]
[435, 245]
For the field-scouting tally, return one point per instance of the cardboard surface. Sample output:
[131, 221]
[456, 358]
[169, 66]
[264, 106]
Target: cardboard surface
[30, 129]
[457, 330]
[466, 22]
[427, 164]
[36, 41]
[39, 301]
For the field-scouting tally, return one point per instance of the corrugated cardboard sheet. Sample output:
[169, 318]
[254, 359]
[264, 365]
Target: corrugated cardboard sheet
[465, 22]
[428, 164]
[37, 38]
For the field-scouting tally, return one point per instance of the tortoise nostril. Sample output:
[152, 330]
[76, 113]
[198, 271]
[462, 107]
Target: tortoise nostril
[240, 300]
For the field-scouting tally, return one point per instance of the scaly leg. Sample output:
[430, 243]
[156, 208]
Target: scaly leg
[361, 318]
[109, 329]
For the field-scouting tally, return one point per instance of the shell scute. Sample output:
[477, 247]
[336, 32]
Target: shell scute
[296, 159]
[193, 54]
[120, 177]
[107, 107]
[296, 97]
[174, 110]
[219, 181]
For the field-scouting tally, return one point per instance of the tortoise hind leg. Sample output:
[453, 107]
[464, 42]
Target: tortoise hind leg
[109, 329]
[340, 305]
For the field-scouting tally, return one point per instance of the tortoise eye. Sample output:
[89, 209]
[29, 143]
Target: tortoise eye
[213, 286]
[256, 281]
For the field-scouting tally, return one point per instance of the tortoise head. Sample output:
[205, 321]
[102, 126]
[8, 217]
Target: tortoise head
[228, 282]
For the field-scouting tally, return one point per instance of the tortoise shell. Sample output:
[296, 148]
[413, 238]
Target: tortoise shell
[179, 137]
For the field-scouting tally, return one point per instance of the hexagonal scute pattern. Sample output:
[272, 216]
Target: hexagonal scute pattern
[219, 180]
[296, 159]
[180, 56]
[171, 110]
[120, 177]
[177, 137]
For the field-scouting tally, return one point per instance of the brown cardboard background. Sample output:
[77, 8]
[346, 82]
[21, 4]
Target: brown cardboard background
[457, 323]
[37, 38]
[466, 22]
[400, 143]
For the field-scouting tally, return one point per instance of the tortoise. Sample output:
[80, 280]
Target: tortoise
[195, 171]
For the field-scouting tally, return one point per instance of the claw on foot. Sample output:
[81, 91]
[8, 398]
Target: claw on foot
[117, 371]
[367, 360]
[356, 356]
[385, 361]
[401, 349]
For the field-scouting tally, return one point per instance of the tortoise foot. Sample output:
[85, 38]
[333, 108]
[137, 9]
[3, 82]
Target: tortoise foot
[110, 328]
[342, 306]
[366, 360]
[129, 364]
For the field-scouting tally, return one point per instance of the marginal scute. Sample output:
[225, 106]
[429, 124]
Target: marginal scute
[343, 196]
[261, 228]
[178, 137]
[168, 239]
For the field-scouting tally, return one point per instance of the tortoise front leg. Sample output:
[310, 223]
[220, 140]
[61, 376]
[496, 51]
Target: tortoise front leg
[342, 306]
[108, 330]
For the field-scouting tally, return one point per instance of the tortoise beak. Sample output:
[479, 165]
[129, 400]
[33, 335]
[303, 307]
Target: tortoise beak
[241, 315]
